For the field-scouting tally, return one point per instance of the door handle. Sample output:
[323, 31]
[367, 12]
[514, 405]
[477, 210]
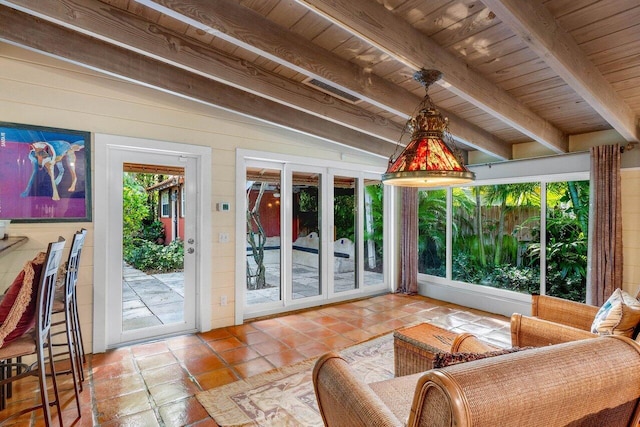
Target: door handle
[190, 250]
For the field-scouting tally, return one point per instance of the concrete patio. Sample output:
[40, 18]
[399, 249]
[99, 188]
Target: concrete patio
[158, 299]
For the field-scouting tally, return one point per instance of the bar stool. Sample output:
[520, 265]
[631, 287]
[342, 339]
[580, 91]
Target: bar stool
[38, 339]
[65, 303]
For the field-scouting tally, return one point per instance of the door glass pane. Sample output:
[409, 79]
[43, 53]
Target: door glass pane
[432, 232]
[373, 232]
[263, 235]
[494, 227]
[345, 222]
[567, 232]
[306, 226]
[152, 238]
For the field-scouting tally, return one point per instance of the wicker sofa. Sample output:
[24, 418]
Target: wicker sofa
[586, 382]
[552, 321]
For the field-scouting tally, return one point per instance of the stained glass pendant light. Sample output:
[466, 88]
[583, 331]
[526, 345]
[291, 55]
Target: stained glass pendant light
[428, 160]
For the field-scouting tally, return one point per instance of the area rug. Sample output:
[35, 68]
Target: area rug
[285, 396]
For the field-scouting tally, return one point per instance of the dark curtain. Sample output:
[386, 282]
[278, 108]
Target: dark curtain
[606, 254]
[409, 242]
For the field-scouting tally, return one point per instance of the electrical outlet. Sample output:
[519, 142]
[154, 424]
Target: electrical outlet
[223, 300]
[223, 237]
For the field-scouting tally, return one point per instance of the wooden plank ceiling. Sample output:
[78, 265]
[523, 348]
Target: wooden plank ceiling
[513, 71]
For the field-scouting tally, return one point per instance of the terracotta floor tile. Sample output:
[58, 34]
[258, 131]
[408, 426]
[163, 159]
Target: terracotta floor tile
[238, 355]
[216, 378]
[156, 361]
[150, 348]
[142, 419]
[287, 357]
[153, 377]
[193, 352]
[325, 320]
[320, 333]
[337, 342]
[70, 418]
[110, 356]
[113, 370]
[182, 412]
[278, 332]
[313, 349]
[341, 327]
[253, 337]
[291, 319]
[269, 347]
[358, 335]
[183, 341]
[266, 324]
[201, 365]
[215, 334]
[173, 391]
[114, 387]
[225, 344]
[253, 367]
[241, 330]
[116, 408]
[294, 339]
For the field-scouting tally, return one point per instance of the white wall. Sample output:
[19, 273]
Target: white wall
[38, 90]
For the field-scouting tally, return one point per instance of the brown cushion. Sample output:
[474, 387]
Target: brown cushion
[397, 394]
[18, 307]
[446, 359]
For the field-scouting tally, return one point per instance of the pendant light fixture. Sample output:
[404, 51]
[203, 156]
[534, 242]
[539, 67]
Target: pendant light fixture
[428, 160]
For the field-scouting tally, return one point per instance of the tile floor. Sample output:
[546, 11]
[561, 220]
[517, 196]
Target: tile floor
[154, 384]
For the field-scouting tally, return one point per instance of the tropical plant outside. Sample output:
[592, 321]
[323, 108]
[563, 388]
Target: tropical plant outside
[142, 232]
[496, 236]
[374, 230]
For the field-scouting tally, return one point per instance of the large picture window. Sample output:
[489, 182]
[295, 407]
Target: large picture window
[526, 237]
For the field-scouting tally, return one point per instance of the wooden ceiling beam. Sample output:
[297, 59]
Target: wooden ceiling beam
[242, 26]
[373, 23]
[536, 26]
[128, 30]
[34, 33]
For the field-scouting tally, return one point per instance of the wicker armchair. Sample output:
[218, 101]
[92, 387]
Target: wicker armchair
[552, 321]
[588, 382]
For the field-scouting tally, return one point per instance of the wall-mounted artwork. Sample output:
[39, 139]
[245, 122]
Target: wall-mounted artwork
[45, 174]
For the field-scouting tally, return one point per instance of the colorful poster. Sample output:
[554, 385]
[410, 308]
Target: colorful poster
[45, 174]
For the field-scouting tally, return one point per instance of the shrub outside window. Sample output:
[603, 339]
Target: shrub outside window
[496, 237]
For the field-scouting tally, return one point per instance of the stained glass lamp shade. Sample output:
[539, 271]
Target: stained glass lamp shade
[428, 160]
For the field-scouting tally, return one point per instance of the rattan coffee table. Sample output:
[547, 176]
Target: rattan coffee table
[415, 347]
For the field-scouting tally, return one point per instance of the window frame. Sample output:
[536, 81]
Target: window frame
[164, 193]
[568, 167]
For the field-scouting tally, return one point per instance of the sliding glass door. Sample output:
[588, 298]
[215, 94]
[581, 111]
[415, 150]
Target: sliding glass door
[306, 225]
[264, 234]
[345, 233]
[312, 234]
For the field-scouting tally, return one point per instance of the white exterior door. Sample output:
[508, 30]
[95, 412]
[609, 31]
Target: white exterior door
[181, 312]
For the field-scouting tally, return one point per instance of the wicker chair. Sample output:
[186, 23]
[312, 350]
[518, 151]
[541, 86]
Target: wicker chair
[587, 382]
[552, 321]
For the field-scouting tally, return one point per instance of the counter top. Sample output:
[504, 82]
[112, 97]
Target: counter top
[11, 243]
